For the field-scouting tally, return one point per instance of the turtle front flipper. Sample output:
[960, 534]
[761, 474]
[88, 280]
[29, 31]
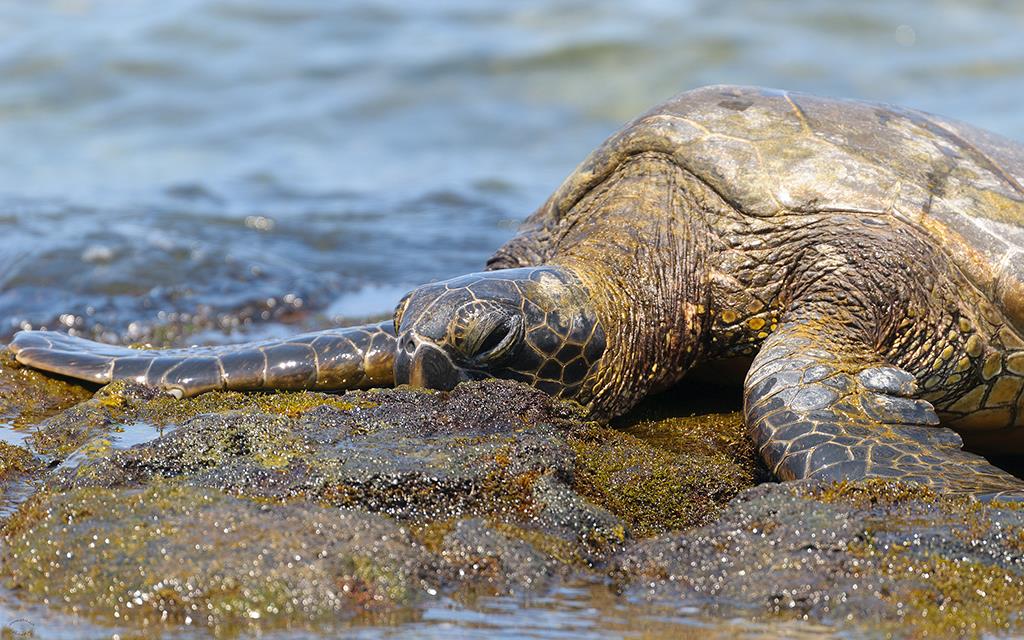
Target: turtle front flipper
[331, 360]
[820, 403]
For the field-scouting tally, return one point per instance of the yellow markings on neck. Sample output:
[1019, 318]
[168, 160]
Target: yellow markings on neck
[1009, 339]
[1015, 363]
[993, 366]
[1005, 391]
[973, 346]
[970, 401]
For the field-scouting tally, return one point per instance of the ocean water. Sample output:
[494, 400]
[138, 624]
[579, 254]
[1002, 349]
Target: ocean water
[250, 167]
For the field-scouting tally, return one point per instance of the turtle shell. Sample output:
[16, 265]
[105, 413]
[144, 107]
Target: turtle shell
[770, 153]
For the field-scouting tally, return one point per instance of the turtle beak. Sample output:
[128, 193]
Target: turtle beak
[422, 364]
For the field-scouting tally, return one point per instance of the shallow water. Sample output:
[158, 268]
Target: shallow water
[262, 162]
[570, 612]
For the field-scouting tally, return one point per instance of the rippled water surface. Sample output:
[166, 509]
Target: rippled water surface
[217, 163]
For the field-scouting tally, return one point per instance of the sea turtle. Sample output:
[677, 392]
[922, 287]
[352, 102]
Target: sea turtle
[867, 262]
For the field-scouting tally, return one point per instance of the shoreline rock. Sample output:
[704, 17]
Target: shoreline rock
[252, 512]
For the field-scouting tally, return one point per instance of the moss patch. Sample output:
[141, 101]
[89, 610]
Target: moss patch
[873, 492]
[951, 597]
[669, 422]
[652, 489]
[165, 409]
[28, 396]
[891, 558]
[125, 403]
[172, 554]
[15, 460]
[62, 434]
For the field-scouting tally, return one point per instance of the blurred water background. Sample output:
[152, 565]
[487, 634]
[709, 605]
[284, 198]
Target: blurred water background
[246, 166]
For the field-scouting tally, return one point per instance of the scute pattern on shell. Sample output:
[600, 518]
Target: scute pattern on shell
[771, 153]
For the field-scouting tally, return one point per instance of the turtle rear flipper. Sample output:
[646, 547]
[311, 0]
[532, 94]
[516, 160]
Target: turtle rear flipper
[821, 404]
[332, 360]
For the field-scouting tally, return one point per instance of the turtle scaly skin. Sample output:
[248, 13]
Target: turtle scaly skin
[865, 262]
[349, 358]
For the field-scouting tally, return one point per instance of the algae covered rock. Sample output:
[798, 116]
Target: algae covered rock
[15, 460]
[654, 490]
[27, 396]
[895, 559]
[494, 449]
[492, 488]
[245, 513]
[172, 554]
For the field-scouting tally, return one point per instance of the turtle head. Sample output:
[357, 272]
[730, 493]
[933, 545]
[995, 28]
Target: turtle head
[531, 324]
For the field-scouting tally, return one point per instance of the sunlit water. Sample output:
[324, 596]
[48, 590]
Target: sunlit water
[230, 159]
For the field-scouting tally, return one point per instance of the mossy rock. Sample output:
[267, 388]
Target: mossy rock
[479, 451]
[893, 559]
[28, 396]
[15, 460]
[492, 488]
[172, 554]
[655, 490]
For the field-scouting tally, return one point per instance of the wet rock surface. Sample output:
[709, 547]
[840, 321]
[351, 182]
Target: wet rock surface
[27, 396]
[895, 560]
[241, 513]
[298, 510]
[173, 554]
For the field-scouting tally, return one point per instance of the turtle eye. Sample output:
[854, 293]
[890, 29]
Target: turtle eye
[493, 338]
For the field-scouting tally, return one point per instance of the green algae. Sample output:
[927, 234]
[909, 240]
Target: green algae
[701, 434]
[28, 396]
[932, 594]
[64, 433]
[124, 403]
[15, 460]
[172, 554]
[165, 409]
[267, 442]
[700, 420]
[130, 400]
[665, 469]
[561, 550]
[943, 597]
[431, 533]
[880, 557]
[875, 492]
[653, 490]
